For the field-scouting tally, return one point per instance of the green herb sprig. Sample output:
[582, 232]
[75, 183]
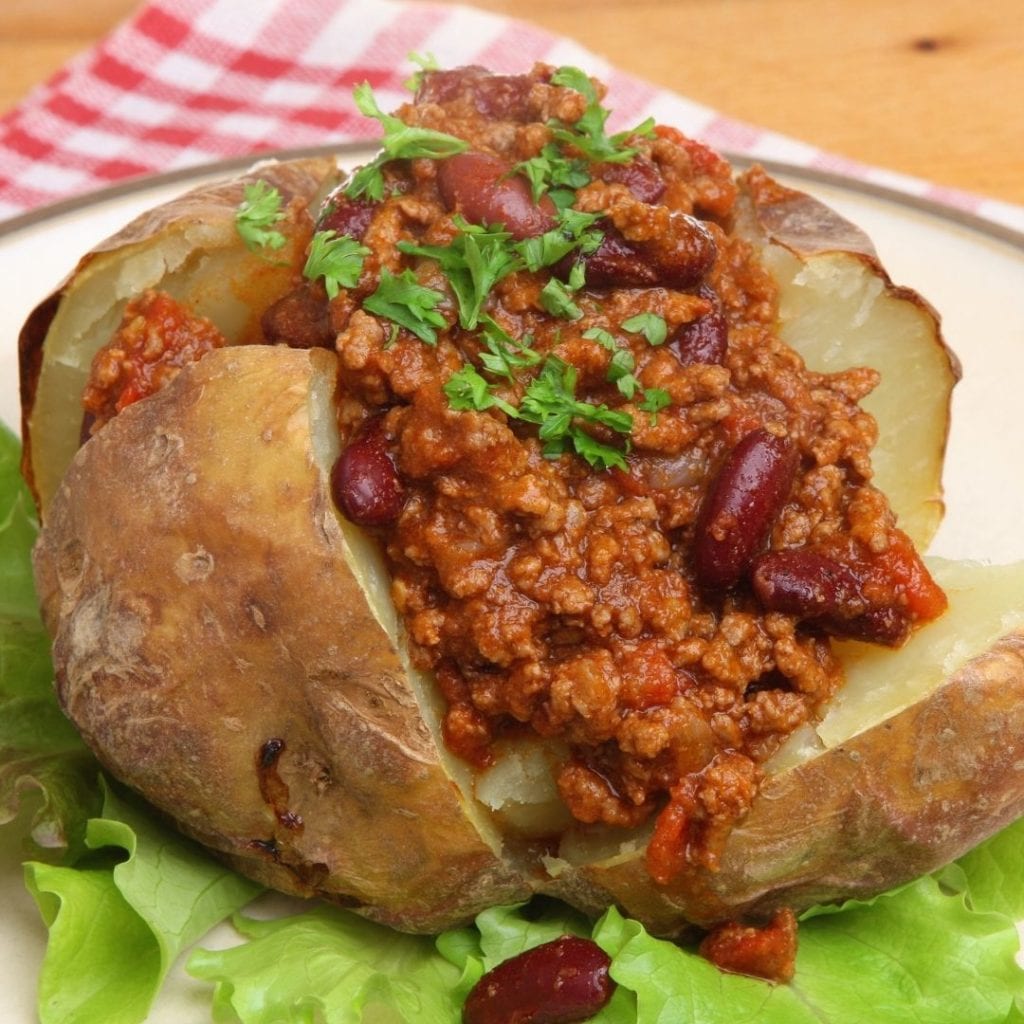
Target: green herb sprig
[621, 372]
[553, 173]
[550, 402]
[256, 216]
[403, 300]
[474, 262]
[338, 259]
[401, 142]
[588, 134]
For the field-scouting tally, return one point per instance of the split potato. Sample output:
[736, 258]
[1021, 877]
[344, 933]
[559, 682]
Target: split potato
[226, 641]
[188, 248]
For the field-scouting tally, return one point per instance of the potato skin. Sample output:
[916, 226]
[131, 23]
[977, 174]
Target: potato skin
[193, 575]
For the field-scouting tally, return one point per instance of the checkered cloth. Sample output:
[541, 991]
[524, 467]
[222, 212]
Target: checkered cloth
[188, 82]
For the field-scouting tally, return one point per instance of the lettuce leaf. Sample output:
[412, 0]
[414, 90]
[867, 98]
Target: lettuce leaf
[40, 752]
[120, 918]
[925, 954]
[328, 965]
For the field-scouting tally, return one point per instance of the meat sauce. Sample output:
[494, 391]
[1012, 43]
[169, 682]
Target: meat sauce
[617, 509]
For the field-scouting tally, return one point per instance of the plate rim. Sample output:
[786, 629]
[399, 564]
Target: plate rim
[231, 165]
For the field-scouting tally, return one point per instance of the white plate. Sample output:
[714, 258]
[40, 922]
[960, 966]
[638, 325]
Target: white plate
[972, 272]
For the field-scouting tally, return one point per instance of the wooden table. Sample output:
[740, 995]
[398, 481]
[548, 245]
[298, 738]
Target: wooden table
[933, 88]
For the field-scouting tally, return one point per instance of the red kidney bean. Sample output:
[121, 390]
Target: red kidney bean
[678, 259]
[478, 186]
[684, 253]
[346, 216]
[560, 982]
[299, 319]
[364, 481]
[826, 592]
[705, 340]
[641, 176]
[503, 97]
[746, 495]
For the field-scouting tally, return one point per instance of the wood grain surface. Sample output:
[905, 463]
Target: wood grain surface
[933, 88]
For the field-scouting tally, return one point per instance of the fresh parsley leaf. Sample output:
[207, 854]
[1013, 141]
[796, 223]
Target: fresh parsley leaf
[474, 262]
[423, 61]
[588, 134]
[604, 338]
[259, 210]
[552, 171]
[620, 372]
[600, 456]
[574, 231]
[467, 390]
[557, 299]
[550, 402]
[338, 259]
[401, 142]
[504, 353]
[655, 399]
[403, 300]
[575, 78]
[650, 325]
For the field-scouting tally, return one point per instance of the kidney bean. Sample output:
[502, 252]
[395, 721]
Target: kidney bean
[298, 319]
[479, 186]
[364, 481]
[641, 176]
[745, 496]
[502, 97]
[678, 259]
[560, 982]
[684, 253]
[829, 593]
[705, 340]
[346, 216]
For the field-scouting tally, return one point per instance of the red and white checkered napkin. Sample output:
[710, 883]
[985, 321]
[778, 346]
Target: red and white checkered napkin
[187, 82]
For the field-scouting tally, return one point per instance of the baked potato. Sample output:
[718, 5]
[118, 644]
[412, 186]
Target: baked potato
[234, 647]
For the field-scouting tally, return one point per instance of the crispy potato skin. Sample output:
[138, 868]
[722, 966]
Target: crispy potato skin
[193, 575]
[894, 802]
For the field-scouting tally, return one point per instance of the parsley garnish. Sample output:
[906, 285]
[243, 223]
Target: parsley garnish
[401, 142]
[474, 262]
[620, 372]
[650, 325]
[588, 135]
[556, 298]
[604, 338]
[655, 399]
[550, 401]
[403, 300]
[467, 390]
[504, 353]
[574, 230]
[338, 259]
[423, 61]
[259, 210]
[551, 171]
